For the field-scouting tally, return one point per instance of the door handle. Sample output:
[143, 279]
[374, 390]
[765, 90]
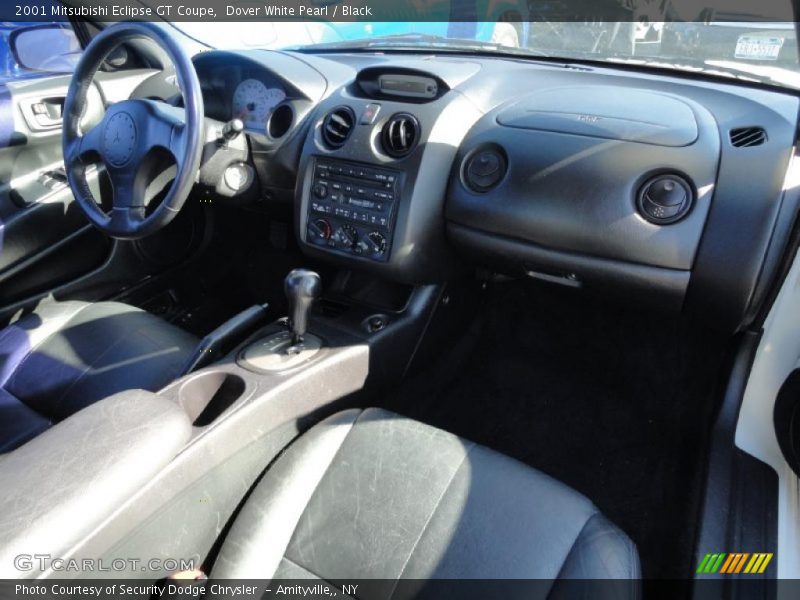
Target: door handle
[46, 113]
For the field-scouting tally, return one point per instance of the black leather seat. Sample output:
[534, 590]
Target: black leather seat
[375, 496]
[67, 355]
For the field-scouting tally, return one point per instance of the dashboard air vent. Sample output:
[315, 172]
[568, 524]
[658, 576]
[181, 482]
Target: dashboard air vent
[745, 137]
[400, 135]
[484, 169]
[337, 126]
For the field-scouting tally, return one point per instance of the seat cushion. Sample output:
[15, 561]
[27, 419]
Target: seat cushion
[66, 355]
[373, 495]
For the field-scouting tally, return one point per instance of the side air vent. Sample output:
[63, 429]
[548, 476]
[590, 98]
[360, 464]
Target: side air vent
[745, 137]
[400, 135]
[665, 199]
[337, 126]
[484, 169]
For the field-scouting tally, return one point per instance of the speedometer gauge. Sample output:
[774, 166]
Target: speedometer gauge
[252, 102]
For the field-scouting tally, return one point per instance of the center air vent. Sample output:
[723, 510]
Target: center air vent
[400, 135]
[337, 126]
[745, 137]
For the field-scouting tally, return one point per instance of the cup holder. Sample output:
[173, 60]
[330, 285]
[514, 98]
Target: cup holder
[206, 397]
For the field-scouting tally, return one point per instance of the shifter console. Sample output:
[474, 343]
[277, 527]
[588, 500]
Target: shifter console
[277, 352]
[352, 207]
[284, 349]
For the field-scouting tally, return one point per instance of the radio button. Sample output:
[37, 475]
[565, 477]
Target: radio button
[370, 114]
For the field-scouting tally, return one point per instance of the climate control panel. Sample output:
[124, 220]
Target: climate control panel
[351, 208]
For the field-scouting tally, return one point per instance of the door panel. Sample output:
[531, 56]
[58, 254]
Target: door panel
[38, 215]
[46, 244]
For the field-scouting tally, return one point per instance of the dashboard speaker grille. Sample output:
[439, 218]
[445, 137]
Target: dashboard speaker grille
[746, 137]
[400, 135]
[337, 126]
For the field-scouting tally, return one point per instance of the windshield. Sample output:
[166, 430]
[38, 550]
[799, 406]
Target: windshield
[741, 39]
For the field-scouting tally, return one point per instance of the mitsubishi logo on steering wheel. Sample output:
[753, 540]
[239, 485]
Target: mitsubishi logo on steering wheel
[119, 139]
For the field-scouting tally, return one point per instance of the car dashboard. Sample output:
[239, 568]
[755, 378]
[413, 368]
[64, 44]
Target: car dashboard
[666, 191]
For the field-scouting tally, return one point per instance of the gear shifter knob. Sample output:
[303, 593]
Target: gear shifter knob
[302, 287]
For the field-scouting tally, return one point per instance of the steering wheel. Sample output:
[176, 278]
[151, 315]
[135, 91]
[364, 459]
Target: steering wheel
[125, 138]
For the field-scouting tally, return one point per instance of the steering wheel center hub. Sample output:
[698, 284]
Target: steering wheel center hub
[119, 139]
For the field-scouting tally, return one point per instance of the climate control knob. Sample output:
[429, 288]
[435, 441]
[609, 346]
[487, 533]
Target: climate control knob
[320, 228]
[346, 237]
[374, 243]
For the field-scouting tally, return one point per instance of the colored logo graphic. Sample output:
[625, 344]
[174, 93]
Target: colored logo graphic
[731, 564]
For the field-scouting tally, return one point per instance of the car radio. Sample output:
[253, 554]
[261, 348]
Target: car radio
[352, 207]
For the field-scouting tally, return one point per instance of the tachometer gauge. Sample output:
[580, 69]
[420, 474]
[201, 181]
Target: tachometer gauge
[252, 102]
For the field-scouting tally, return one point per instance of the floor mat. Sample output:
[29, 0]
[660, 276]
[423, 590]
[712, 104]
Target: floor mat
[614, 403]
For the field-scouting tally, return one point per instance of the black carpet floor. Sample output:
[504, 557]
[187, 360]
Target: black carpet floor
[615, 403]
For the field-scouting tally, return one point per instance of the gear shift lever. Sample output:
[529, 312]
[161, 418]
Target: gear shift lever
[302, 287]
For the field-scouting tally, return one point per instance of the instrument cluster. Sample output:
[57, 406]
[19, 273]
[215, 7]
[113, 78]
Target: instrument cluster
[253, 101]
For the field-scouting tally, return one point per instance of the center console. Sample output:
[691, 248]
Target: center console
[206, 437]
[180, 460]
[353, 207]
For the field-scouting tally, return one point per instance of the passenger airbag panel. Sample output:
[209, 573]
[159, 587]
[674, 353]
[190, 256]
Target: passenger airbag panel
[606, 112]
